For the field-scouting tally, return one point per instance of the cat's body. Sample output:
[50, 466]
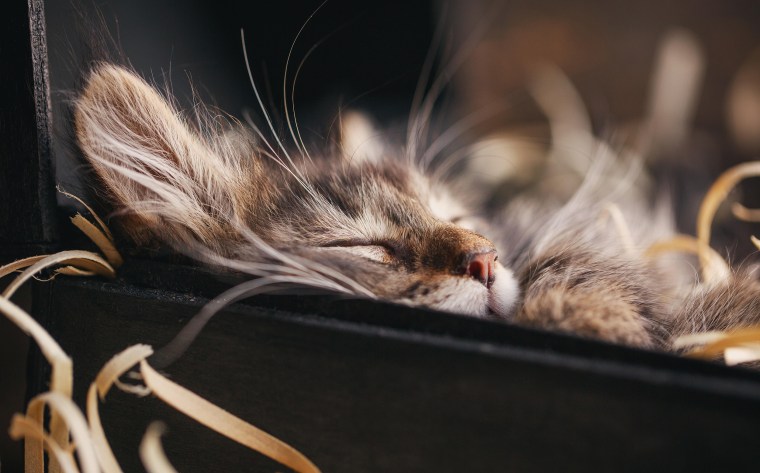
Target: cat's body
[376, 226]
[370, 227]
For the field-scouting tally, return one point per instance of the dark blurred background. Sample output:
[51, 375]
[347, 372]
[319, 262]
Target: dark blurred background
[368, 55]
[361, 54]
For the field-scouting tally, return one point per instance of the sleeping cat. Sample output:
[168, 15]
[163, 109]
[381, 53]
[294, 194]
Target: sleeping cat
[371, 224]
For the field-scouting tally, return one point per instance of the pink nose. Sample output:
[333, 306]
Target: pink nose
[480, 266]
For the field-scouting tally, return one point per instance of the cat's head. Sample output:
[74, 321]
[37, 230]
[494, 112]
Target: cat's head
[358, 222]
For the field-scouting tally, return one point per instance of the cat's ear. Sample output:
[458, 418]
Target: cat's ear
[157, 169]
[360, 140]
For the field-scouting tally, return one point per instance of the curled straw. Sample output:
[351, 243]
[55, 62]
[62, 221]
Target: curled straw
[91, 445]
[100, 234]
[744, 213]
[152, 453]
[223, 422]
[61, 380]
[738, 345]
[716, 265]
[713, 199]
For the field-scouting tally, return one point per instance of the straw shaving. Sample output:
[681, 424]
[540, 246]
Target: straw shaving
[23, 427]
[81, 259]
[20, 264]
[61, 378]
[103, 227]
[715, 266]
[74, 271]
[103, 242]
[715, 196]
[111, 371]
[738, 345]
[748, 353]
[731, 338]
[75, 423]
[152, 453]
[92, 448]
[755, 241]
[744, 213]
[223, 422]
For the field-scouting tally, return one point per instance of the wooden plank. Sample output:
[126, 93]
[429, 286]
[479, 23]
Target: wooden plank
[27, 198]
[373, 393]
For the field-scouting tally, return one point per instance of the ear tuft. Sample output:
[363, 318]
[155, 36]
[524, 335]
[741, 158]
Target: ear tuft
[156, 169]
[119, 108]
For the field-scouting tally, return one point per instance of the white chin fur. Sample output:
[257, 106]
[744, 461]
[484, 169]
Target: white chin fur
[504, 292]
[468, 296]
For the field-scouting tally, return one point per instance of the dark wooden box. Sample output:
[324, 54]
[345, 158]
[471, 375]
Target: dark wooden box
[360, 386]
[356, 386]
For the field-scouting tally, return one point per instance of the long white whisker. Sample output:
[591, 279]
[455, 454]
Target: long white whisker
[455, 131]
[300, 177]
[307, 265]
[420, 122]
[442, 170]
[182, 341]
[345, 106]
[272, 154]
[427, 67]
[298, 144]
[293, 96]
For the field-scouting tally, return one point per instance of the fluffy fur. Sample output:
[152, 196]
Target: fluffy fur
[366, 225]
[368, 221]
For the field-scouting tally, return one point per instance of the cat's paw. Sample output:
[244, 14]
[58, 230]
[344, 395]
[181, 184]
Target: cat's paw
[588, 313]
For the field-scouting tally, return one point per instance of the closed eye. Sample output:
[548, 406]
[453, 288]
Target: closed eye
[378, 252]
